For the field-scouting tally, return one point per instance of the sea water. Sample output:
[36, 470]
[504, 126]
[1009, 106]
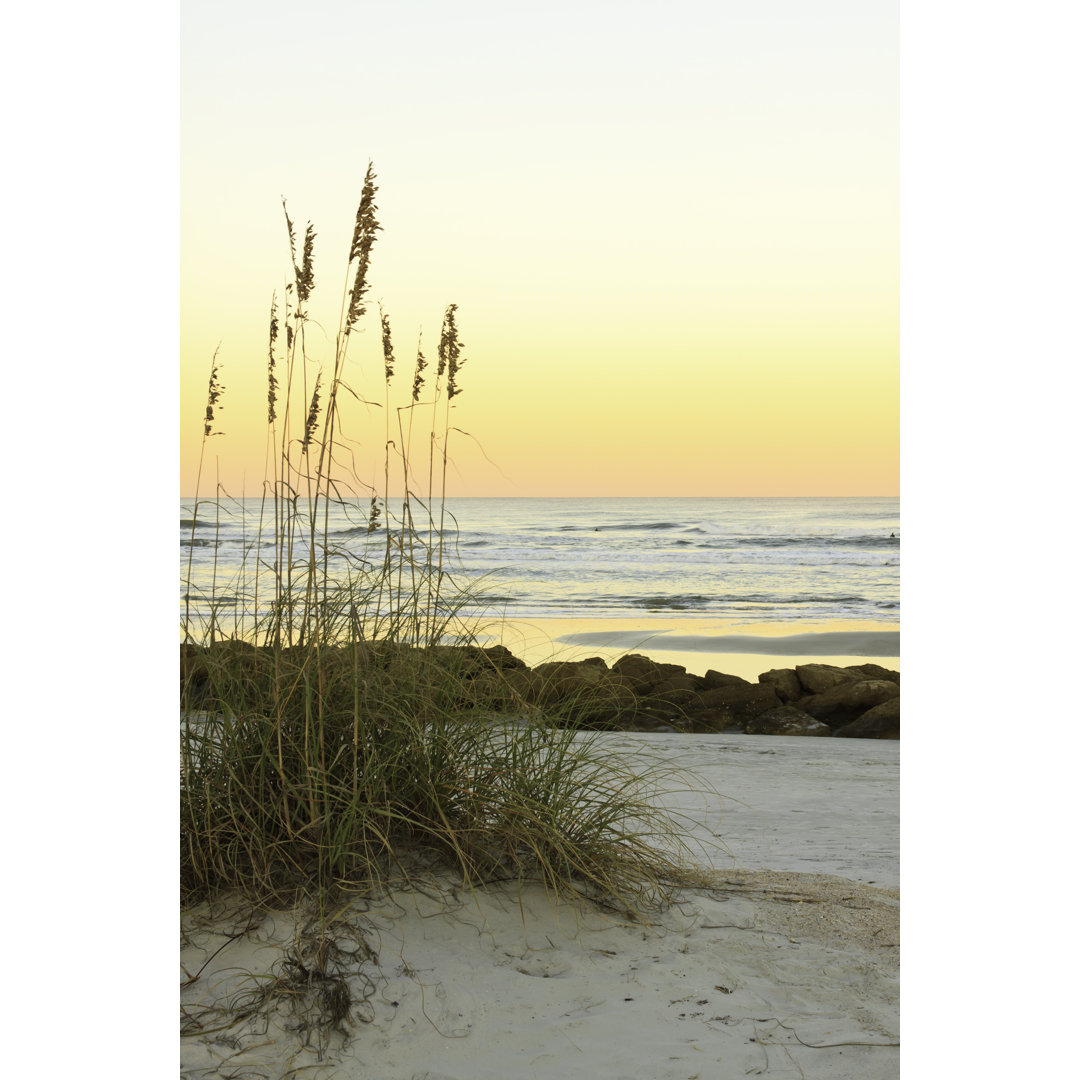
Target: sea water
[758, 561]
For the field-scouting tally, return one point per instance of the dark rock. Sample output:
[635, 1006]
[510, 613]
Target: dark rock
[687, 701]
[875, 671]
[741, 703]
[716, 679]
[710, 721]
[561, 680]
[493, 689]
[720, 696]
[817, 678]
[191, 659]
[848, 701]
[595, 661]
[669, 711]
[880, 722]
[785, 682]
[644, 673]
[640, 721]
[524, 683]
[503, 659]
[677, 683]
[786, 720]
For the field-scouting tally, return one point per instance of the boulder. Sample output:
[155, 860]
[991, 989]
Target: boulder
[493, 689]
[685, 697]
[643, 721]
[669, 711]
[716, 679]
[739, 703]
[817, 678]
[523, 683]
[875, 671]
[643, 672]
[848, 701]
[880, 722]
[678, 682]
[786, 720]
[503, 659]
[710, 721]
[562, 680]
[611, 703]
[785, 682]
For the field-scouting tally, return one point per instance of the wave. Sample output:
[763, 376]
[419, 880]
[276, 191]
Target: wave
[696, 599]
[359, 530]
[801, 541]
[635, 526]
[671, 603]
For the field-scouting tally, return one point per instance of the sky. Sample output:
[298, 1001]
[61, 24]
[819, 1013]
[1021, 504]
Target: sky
[671, 232]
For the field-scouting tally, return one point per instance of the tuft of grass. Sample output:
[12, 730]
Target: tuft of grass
[329, 734]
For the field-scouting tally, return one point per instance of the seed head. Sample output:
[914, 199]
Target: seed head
[272, 382]
[418, 377]
[303, 272]
[450, 348]
[360, 250]
[312, 416]
[387, 347]
[212, 396]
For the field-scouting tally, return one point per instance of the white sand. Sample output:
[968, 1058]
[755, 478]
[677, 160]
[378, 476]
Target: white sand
[767, 972]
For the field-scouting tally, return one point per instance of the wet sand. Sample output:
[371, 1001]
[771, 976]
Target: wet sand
[731, 646]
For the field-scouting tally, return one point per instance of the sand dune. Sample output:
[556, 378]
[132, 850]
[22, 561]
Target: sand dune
[759, 971]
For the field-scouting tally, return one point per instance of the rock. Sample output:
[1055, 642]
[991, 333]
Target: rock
[524, 683]
[492, 689]
[668, 711]
[880, 722]
[503, 659]
[593, 661]
[635, 694]
[643, 672]
[562, 680]
[817, 678]
[686, 699]
[190, 659]
[678, 682]
[640, 721]
[716, 679]
[786, 720]
[710, 721]
[740, 703]
[875, 671]
[848, 701]
[785, 682]
[611, 703]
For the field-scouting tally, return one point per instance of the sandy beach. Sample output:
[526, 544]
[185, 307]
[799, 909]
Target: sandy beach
[783, 963]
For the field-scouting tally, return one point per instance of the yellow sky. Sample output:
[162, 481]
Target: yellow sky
[671, 231]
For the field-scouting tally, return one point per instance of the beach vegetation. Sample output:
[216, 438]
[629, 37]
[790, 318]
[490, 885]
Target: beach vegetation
[341, 723]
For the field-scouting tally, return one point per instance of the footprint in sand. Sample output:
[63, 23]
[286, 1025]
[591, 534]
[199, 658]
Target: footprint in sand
[542, 967]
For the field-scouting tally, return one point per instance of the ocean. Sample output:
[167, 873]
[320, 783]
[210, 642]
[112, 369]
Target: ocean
[760, 569]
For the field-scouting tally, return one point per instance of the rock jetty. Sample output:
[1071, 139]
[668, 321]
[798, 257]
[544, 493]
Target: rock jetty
[637, 693]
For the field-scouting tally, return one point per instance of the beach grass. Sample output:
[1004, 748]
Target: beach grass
[339, 721]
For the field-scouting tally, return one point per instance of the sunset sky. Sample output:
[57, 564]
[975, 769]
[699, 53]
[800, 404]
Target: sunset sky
[671, 230]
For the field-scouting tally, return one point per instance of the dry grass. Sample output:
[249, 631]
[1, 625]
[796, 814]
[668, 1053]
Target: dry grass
[327, 733]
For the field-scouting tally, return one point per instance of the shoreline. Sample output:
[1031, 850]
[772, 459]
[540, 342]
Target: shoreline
[735, 647]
